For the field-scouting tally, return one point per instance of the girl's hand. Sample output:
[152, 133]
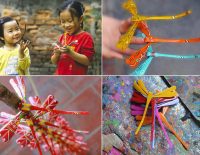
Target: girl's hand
[23, 46]
[66, 49]
[57, 52]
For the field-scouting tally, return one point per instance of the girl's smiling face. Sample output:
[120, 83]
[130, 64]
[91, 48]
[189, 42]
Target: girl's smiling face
[12, 32]
[71, 24]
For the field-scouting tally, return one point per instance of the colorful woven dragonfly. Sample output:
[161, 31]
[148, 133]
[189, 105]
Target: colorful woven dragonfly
[40, 124]
[130, 5]
[146, 53]
[144, 102]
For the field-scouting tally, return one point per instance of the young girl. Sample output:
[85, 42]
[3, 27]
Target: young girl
[14, 57]
[76, 48]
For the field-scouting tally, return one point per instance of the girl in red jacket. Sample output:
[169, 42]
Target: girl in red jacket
[75, 49]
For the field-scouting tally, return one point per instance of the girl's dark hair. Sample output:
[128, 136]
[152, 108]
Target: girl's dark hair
[76, 8]
[4, 20]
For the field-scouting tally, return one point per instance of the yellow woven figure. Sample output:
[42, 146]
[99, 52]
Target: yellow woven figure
[130, 5]
[140, 87]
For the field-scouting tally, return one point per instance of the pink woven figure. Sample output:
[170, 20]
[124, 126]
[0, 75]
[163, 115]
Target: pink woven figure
[40, 125]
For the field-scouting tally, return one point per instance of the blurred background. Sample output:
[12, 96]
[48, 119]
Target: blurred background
[72, 94]
[187, 27]
[43, 28]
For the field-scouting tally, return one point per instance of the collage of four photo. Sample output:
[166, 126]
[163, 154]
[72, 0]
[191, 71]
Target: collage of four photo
[99, 77]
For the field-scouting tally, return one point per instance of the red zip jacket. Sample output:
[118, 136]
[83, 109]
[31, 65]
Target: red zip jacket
[85, 45]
